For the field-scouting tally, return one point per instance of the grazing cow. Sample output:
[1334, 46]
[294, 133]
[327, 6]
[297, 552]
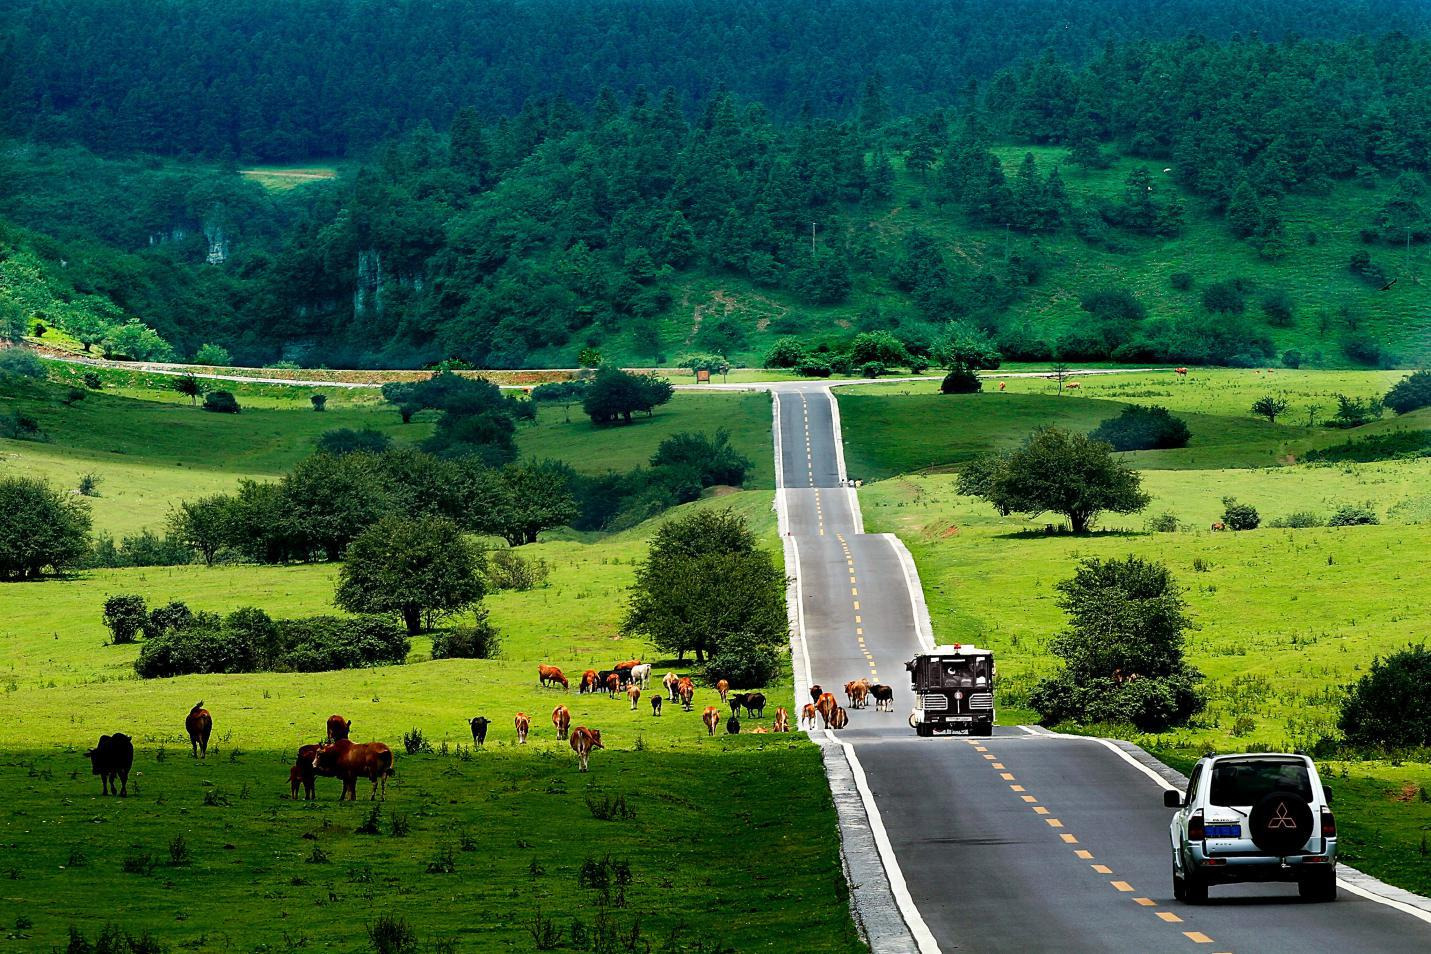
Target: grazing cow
[755, 704]
[722, 687]
[883, 697]
[628, 665]
[736, 700]
[613, 683]
[686, 689]
[641, 675]
[524, 725]
[827, 706]
[350, 761]
[479, 729]
[112, 757]
[807, 713]
[656, 704]
[840, 719]
[583, 740]
[338, 727]
[711, 717]
[1072, 386]
[732, 726]
[561, 718]
[861, 695]
[588, 682]
[547, 675]
[815, 693]
[1219, 527]
[1181, 372]
[669, 681]
[199, 724]
[303, 773]
[760, 730]
[1001, 385]
[633, 692]
[782, 720]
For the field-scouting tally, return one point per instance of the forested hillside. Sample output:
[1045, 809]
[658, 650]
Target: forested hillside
[1190, 200]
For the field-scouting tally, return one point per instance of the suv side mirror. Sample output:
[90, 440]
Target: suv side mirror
[1172, 798]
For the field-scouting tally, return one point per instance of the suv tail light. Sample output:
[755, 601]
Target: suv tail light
[1196, 831]
[1329, 824]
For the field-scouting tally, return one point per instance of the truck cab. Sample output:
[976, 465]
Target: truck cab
[953, 690]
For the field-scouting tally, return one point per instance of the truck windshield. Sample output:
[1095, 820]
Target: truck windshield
[1246, 783]
[957, 672]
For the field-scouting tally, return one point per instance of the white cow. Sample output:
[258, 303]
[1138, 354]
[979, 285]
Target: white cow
[641, 675]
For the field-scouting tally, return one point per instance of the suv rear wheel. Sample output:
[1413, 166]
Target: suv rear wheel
[1319, 885]
[1191, 889]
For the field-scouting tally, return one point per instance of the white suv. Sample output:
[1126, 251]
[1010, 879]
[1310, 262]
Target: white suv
[1262, 817]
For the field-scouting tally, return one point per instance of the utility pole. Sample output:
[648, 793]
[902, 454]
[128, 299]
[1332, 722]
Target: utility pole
[812, 241]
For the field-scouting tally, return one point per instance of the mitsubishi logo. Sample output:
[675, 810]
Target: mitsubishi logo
[1282, 818]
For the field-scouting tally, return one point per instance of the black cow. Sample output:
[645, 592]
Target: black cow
[114, 756]
[736, 700]
[656, 704]
[883, 697]
[732, 725]
[479, 729]
[754, 703]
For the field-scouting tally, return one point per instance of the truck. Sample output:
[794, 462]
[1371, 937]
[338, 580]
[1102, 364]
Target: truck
[953, 690]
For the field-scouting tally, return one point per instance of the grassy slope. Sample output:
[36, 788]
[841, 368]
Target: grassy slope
[151, 448]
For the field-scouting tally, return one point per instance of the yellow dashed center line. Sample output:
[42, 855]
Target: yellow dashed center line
[1170, 917]
[1101, 869]
[1122, 886]
[1084, 854]
[1197, 937]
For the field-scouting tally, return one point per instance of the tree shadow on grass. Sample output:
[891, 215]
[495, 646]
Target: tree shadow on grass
[1063, 533]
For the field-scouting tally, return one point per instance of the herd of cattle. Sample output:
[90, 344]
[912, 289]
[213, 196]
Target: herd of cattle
[339, 757]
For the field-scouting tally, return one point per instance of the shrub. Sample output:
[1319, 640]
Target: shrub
[509, 570]
[125, 616]
[1269, 406]
[1239, 516]
[1351, 515]
[1362, 348]
[21, 363]
[744, 660]
[319, 402]
[221, 402]
[1151, 703]
[1390, 705]
[1164, 523]
[1143, 428]
[813, 368]
[247, 640]
[878, 347]
[482, 640]
[872, 369]
[961, 380]
[1277, 307]
[786, 353]
[712, 460]
[1223, 298]
[213, 354]
[321, 643]
[1398, 445]
[164, 619]
[414, 742]
[1297, 520]
[345, 440]
[1410, 393]
[43, 528]
[1113, 305]
[1182, 281]
[92, 380]
[19, 426]
[390, 933]
[89, 485]
[1292, 358]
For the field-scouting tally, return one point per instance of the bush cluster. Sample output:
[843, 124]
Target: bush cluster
[1151, 704]
[1390, 706]
[1143, 428]
[1239, 516]
[478, 641]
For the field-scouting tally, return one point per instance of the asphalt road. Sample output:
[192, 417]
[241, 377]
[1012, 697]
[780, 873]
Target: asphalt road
[1021, 842]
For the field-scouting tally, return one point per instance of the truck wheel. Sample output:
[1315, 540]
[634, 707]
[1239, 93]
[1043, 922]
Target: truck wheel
[1320, 885]
[924, 731]
[983, 728]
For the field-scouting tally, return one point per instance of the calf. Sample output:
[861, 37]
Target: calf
[524, 725]
[883, 697]
[479, 729]
[711, 717]
[303, 773]
[736, 700]
[112, 757]
[561, 718]
[551, 675]
[722, 687]
[807, 714]
[633, 692]
[199, 724]
[641, 675]
[588, 682]
[782, 720]
[583, 740]
[755, 705]
[338, 727]
[670, 681]
[840, 719]
[350, 761]
[656, 704]
[732, 726]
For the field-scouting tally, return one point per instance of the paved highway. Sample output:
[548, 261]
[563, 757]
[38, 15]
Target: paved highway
[1025, 841]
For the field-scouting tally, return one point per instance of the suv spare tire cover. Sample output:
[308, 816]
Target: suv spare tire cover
[1280, 823]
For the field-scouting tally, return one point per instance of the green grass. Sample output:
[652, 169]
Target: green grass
[719, 825]
[286, 178]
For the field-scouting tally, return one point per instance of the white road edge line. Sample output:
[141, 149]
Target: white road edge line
[840, 472]
[923, 626]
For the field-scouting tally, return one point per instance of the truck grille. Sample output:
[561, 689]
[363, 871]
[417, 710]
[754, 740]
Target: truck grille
[981, 700]
[933, 702]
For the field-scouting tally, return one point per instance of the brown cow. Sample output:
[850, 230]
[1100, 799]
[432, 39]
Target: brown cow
[687, 691]
[303, 773]
[850, 692]
[338, 727]
[588, 681]
[807, 713]
[613, 683]
[524, 725]
[656, 704]
[627, 665]
[722, 687]
[546, 675]
[711, 717]
[760, 730]
[350, 761]
[840, 719]
[827, 706]
[861, 694]
[670, 681]
[782, 720]
[199, 725]
[561, 718]
[633, 692]
[583, 740]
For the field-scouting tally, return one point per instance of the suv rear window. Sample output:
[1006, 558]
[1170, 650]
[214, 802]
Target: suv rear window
[1245, 783]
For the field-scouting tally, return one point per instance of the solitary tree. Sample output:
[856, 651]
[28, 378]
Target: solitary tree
[203, 525]
[616, 395]
[187, 384]
[1056, 471]
[42, 528]
[417, 568]
[1269, 406]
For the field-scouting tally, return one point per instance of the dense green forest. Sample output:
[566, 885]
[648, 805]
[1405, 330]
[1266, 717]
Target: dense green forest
[1239, 201]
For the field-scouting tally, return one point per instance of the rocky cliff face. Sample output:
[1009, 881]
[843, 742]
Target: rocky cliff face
[374, 282]
[218, 242]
